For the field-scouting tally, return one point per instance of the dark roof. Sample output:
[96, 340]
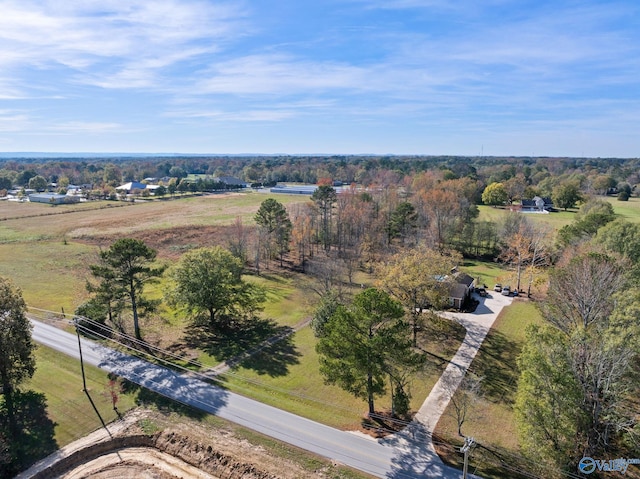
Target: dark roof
[458, 291]
[465, 279]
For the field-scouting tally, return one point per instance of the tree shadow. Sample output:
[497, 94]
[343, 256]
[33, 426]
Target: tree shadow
[36, 432]
[260, 344]
[415, 458]
[165, 388]
[274, 358]
[496, 363]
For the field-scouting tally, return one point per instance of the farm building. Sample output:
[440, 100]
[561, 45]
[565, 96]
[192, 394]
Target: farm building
[294, 189]
[52, 198]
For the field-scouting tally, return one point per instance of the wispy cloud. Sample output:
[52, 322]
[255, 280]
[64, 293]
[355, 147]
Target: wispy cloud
[124, 40]
[13, 120]
[78, 127]
[107, 67]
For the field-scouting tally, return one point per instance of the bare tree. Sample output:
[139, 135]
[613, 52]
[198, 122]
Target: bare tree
[464, 398]
[582, 291]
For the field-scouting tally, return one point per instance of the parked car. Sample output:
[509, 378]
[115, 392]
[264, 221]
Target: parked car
[481, 291]
[515, 292]
[497, 287]
[506, 291]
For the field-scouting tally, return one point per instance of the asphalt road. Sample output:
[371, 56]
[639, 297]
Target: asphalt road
[402, 456]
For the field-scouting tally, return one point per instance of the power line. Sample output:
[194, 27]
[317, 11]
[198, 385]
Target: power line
[146, 350]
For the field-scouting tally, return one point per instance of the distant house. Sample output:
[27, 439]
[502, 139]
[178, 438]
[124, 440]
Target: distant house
[53, 198]
[537, 204]
[132, 185]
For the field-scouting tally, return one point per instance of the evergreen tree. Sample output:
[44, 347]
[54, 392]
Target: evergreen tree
[123, 271]
[358, 341]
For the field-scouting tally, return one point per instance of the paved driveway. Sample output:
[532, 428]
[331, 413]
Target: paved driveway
[477, 325]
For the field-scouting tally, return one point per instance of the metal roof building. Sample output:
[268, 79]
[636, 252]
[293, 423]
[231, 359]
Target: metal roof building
[52, 198]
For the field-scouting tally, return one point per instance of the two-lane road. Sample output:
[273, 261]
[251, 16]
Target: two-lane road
[403, 456]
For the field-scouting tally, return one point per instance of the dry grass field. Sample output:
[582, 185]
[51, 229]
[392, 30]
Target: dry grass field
[46, 249]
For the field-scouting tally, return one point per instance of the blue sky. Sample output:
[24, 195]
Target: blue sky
[464, 77]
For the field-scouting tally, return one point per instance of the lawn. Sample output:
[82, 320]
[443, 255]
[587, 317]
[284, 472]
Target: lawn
[557, 219]
[628, 210]
[45, 250]
[59, 377]
[286, 376]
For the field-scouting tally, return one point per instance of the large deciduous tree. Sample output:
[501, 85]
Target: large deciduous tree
[123, 271]
[419, 280]
[592, 216]
[358, 341]
[579, 372]
[526, 247]
[38, 183]
[566, 195]
[495, 195]
[207, 284]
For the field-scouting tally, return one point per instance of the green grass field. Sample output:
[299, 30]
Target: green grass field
[59, 377]
[628, 210]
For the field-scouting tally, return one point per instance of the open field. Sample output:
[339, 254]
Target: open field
[628, 210]
[46, 251]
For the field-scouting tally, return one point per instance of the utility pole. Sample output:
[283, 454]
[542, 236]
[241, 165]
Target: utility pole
[84, 380]
[469, 444]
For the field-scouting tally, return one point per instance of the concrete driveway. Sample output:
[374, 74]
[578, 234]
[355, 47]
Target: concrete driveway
[477, 325]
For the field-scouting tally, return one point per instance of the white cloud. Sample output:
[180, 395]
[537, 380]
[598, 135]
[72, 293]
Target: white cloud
[279, 74]
[13, 120]
[98, 38]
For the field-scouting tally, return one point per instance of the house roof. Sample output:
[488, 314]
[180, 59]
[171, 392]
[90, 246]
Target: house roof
[464, 279]
[132, 185]
[457, 291]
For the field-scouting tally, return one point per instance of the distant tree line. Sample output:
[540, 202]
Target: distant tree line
[591, 175]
